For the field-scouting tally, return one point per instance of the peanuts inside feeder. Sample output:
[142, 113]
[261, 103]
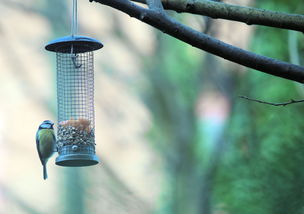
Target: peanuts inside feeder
[76, 133]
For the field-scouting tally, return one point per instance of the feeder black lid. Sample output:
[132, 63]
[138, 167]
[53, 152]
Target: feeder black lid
[80, 44]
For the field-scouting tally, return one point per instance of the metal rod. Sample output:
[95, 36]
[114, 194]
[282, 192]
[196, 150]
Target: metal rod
[74, 19]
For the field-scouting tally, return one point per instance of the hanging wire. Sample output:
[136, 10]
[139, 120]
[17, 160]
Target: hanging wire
[74, 19]
[74, 31]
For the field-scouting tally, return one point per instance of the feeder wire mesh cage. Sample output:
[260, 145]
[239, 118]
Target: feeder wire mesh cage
[75, 99]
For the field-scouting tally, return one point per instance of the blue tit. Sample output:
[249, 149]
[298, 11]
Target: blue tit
[45, 142]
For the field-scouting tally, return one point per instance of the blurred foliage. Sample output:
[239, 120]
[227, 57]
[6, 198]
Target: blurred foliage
[173, 68]
[259, 170]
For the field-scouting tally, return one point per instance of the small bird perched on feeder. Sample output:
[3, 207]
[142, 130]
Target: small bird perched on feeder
[45, 142]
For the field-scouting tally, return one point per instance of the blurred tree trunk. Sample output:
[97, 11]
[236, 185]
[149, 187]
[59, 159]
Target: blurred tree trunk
[73, 191]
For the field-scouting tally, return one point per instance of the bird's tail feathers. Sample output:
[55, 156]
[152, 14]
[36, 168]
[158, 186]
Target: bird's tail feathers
[44, 172]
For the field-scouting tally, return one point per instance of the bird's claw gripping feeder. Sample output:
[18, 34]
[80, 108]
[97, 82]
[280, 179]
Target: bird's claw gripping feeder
[75, 97]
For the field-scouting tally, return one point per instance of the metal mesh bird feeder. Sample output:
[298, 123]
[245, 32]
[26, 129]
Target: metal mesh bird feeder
[75, 97]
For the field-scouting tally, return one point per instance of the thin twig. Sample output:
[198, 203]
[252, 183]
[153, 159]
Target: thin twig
[273, 104]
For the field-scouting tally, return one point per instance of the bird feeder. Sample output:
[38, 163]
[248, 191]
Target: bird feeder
[75, 97]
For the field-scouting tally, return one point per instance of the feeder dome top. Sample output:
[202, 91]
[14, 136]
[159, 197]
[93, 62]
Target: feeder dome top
[80, 44]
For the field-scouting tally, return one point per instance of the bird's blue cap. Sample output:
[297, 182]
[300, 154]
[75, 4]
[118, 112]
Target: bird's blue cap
[48, 122]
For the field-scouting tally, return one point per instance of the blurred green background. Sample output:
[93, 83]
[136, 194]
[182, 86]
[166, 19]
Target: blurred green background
[172, 135]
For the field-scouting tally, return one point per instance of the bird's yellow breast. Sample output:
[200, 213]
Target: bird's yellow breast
[46, 142]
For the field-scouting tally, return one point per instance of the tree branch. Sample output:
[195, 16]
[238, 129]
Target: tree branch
[248, 15]
[204, 42]
[273, 104]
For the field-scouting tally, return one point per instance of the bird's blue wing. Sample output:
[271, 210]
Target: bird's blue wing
[38, 149]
